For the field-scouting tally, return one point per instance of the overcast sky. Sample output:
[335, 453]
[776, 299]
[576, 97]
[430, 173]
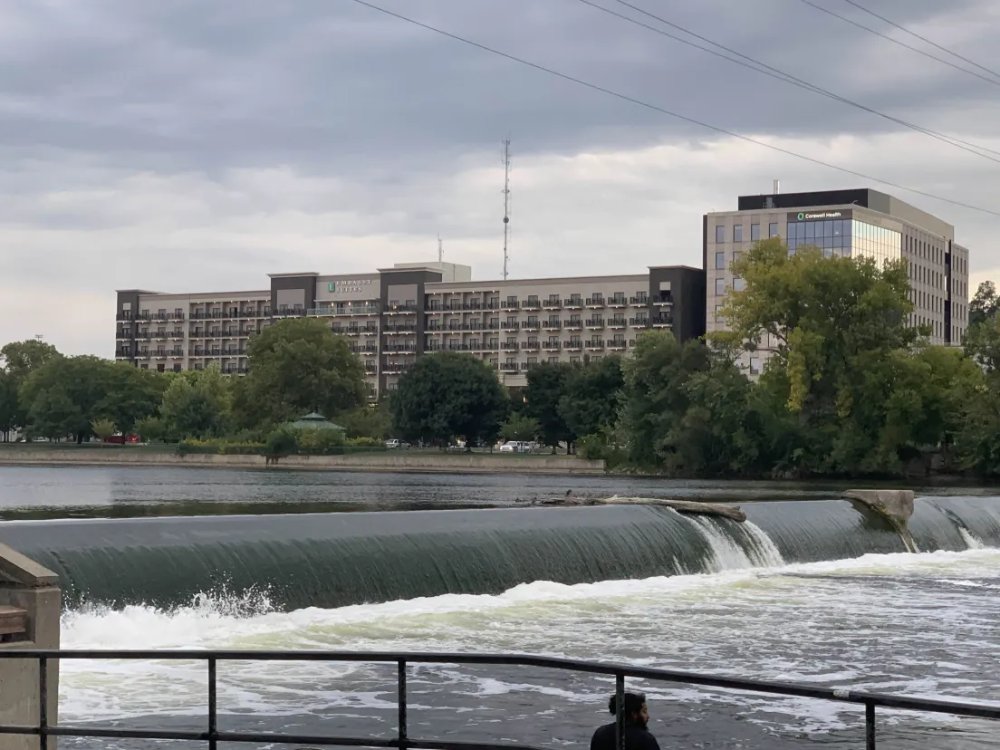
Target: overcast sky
[197, 145]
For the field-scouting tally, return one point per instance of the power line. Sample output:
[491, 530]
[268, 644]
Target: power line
[662, 110]
[888, 38]
[863, 9]
[785, 77]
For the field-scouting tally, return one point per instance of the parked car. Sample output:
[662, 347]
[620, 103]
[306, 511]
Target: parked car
[396, 443]
[515, 446]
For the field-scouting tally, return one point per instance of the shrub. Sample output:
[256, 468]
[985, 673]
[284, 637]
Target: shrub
[281, 442]
[319, 442]
[366, 442]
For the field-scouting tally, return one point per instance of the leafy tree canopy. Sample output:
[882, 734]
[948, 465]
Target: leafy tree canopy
[447, 395]
[298, 366]
[546, 386]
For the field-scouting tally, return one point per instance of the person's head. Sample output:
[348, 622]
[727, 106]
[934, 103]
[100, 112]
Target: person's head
[635, 708]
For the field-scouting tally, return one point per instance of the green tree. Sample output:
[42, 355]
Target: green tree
[984, 305]
[546, 386]
[297, 366]
[81, 382]
[197, 404]
[103, 428]
[367, 421]
[447, 395]
[132, 395]
[18, 360]
[8, 404]
[982, 342]
[53, 415]
[590, 401]
[520, 427]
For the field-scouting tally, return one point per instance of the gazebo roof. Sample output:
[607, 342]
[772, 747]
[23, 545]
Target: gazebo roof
[315, 421]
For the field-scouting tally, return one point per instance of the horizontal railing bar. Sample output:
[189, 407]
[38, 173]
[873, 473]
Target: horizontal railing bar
[929, 705]
[261, 737]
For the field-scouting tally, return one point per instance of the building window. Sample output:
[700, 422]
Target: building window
[754, 232]
[720, 286]
[737, 233]
[718, 311]
[737, 254]
[720, 234]
[772, 229]
[739, 284]
[720, 261]
[755, 365]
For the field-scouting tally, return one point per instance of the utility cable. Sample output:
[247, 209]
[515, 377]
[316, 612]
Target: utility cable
[768, 70]
[888, 38]
[669, 113]
[922, 38]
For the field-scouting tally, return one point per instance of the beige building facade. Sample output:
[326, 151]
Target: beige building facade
[394, 315]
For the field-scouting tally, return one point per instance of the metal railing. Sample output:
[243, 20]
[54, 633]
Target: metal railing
[213, 735]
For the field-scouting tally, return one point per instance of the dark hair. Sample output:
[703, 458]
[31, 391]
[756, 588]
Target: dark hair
[633, 703]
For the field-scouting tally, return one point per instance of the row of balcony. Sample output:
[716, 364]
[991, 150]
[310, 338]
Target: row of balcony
[351, 310]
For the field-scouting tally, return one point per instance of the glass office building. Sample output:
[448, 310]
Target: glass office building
[859, 223]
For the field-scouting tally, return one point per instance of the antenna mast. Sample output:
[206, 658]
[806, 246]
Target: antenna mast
[506, 202]
[440, 249]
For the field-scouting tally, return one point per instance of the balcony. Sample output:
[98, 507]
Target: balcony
[617, 323]
[400, 309]
[346, 311]
[457, 348]
[531, 325]
[364, 349]
[531, 346]
[552, 304]
[617, 302]
[125, 315]
[290, 312]
[616, 344]
[573, 303]
[126, 353]
[573, 346]
[509, 367]
[510, 304]
[597, 323]
[662, 321]
[573, 325]
[595, 345]
[638, 322]
[399, 330]
[595, 302]
[551, 346]
[510, 326]
[176, 353]
[642, 299]
[405, 348]
[552, 325]
[666, 299]
[178, 334]
[531, 304]
[509, 346]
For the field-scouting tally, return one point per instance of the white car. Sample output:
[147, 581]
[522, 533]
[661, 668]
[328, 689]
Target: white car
[515, 446]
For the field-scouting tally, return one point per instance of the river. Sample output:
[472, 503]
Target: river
[778, 600]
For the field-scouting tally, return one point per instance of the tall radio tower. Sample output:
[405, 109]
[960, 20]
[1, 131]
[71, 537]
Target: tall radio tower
[506, 202]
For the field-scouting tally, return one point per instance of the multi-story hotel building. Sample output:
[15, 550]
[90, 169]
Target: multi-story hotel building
[394, 315]
[851, 223]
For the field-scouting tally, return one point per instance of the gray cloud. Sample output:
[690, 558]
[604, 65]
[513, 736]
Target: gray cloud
[202, 144]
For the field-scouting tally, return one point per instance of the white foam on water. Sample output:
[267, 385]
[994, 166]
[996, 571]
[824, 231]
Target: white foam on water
[813, 622]
[971, 540]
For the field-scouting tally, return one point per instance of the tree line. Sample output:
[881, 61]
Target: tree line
[298, 366]
[850, 388]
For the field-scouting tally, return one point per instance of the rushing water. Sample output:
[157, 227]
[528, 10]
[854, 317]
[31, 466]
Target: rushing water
[812, 592]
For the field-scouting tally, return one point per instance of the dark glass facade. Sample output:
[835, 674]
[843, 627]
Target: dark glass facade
[846, 238]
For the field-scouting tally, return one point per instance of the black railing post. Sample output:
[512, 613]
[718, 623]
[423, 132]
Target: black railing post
[619, 711]
[869, 725]
[213, 724]
[401, 701]
[43, 703]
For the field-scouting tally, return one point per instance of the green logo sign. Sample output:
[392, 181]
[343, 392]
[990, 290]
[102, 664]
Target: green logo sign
[802, 216]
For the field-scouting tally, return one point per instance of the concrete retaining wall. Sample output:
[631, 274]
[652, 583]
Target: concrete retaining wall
[28, 586]
[403, 460]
